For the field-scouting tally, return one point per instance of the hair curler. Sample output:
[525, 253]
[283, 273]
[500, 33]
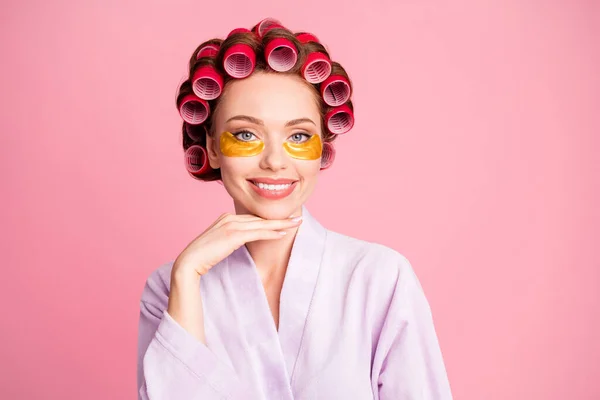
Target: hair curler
[239, 60]
[196, 160]
[266, 25]
[339, 120]
[193, 109]
[281, 54]
[238, 30]
[316, 68]
[207, 83]
[336, 90]
[210, 50]
[328, 155]
[195, 132]
[306, 37]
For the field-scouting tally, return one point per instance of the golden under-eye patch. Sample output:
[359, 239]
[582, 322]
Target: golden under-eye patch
[233, 147]
[308, 150]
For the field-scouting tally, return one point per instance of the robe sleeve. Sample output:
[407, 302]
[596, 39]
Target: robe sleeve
[171, 362]
[408, 360]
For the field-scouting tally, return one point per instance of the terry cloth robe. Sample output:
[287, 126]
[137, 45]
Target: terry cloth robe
[354, 323]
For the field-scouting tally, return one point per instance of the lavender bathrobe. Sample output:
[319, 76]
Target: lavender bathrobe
[354, 323]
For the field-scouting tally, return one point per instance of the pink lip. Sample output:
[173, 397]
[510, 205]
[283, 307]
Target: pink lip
[271, 181]
[274, 194]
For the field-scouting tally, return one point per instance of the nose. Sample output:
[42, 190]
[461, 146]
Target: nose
[274, 157]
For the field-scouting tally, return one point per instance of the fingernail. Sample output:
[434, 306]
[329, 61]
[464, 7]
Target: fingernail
[297, 219]
[282, 232]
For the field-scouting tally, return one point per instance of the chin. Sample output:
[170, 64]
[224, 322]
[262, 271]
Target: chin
[247, 201]
[275, 209]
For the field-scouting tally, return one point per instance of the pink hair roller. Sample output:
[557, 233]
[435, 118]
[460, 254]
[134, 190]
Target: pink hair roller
[210, 50]
[281, 54]
[316, 68]
[335, 90]
[239, 60]
[266, 25]
[340, 120]
[238, 30]
[328, 155]
[307, 37]
[192, 134]
[193, 109]
[207, 83]
[196, 160]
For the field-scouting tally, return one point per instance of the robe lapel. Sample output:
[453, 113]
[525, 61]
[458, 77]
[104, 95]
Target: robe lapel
[274, 353]
[298, 287]
[259, 335]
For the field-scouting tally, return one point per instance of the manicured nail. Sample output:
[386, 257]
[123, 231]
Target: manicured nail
[282, 233]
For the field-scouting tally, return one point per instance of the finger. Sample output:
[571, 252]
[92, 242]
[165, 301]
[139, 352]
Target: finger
[227, 217]
[270, 224]
[213, 225]
[216, 222]
[247, 217]
[243, 237]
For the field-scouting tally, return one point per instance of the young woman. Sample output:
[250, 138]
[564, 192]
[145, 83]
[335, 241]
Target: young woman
[266, 303]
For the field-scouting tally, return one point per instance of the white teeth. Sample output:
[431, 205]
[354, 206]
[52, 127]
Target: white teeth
[273, 187]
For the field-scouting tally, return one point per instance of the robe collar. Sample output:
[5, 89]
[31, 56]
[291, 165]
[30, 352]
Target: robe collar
[298, 286]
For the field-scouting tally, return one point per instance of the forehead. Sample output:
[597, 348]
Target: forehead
[272, 97]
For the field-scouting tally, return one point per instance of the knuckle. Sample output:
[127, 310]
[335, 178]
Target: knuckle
[225, 216]
[230, 226]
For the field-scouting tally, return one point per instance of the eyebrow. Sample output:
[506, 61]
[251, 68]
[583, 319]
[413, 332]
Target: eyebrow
[257, 121]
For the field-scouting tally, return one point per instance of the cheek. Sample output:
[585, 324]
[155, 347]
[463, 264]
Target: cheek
[235, 168]
[232, 172]
[308, 170]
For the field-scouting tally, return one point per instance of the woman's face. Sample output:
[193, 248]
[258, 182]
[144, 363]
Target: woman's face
[273, 108]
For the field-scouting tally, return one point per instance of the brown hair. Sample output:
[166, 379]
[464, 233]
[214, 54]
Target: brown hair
[196, 134]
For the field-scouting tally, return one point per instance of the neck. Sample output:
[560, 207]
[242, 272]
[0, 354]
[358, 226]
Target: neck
[271, 257]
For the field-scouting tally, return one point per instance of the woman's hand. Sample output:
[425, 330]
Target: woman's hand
[219, 240]
[223, 237]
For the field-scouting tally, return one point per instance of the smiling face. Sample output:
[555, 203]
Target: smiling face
[263, 143]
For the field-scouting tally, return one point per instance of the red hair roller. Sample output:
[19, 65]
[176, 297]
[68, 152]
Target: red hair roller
[265, 25]
[239, 60]
[335, 90]
[316, 68]
[210, 50]
[193, 109]
[238, 30]
[207, 83]
[192, 132]
[306, 37]
[281, 54]
[339, 120]
[328, 155]
[196, 160]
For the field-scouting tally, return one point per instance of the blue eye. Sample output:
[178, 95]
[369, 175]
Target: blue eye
[300, 137]
[245, 136]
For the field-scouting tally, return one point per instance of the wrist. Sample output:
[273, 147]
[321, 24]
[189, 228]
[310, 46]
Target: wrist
[183, 275]
[184, 296]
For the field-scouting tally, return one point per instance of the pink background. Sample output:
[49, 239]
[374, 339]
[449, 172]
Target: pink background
[475, 153]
